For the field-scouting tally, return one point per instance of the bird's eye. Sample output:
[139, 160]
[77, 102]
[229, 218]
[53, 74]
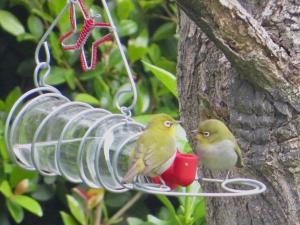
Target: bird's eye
[206, 134]
[168, 123]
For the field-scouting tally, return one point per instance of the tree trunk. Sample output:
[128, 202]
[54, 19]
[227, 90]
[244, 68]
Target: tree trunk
[240, 64]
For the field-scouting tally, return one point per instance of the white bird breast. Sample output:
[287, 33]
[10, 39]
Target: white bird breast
[220, 156]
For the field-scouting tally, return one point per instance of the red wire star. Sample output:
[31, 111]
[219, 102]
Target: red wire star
[89, 24]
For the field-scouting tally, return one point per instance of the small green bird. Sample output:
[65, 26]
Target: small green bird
[155, 149]
[217, 147]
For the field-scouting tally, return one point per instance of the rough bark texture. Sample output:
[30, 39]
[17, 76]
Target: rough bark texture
[240, 63]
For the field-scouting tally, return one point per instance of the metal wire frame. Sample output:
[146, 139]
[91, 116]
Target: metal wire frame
[14, 112]
[39, 82]
[151, 188]
[61, 140]
[103, 149]
[80, 159]
[34, 152]
[117, 187]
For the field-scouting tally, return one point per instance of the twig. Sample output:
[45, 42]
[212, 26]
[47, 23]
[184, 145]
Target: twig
[79, 85]
[128, 205]
[98, 214]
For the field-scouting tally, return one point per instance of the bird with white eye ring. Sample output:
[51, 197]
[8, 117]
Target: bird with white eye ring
[155, 149]
[217, 147]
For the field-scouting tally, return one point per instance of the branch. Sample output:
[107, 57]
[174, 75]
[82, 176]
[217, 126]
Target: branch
[248, 46]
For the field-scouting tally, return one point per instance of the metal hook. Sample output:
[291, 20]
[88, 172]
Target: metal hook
[44, 42]
[126, 64]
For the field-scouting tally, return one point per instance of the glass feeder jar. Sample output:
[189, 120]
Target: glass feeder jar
[113, 139]
[92, 141]
[46, 137]
[26, 122]
[122, 157]
[70, 142]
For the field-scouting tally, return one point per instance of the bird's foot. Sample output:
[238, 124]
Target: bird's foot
[229, 173]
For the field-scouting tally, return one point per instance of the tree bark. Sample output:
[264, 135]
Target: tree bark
[240, 63]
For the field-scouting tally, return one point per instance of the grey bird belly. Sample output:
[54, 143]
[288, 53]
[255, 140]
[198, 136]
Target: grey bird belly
[221, 156]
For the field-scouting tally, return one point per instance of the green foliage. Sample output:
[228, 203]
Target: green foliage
[191, 210]
[15, 182]
[10, 23]
[76, 209]
[147, 31]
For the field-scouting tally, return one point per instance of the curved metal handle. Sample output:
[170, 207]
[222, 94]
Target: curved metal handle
[45, 64]
[126, 64]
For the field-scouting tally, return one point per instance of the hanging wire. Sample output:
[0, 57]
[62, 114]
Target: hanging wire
[124, 109]
[40, 65]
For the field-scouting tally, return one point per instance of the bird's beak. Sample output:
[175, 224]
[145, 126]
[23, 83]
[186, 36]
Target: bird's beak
[194, 131]
[178, 122]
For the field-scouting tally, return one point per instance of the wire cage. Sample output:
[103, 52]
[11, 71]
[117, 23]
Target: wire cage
[47, 132]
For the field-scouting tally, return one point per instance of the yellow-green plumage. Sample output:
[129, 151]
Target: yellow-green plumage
[217, 147]
[155, 149]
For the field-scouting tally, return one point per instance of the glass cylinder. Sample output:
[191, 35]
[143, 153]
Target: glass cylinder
[26, 123]
[46, 137]
[112, 140]
[68, 148]
[122, 156]
[89, 146]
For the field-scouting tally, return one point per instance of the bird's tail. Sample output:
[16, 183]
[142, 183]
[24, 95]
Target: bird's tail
[133, 171]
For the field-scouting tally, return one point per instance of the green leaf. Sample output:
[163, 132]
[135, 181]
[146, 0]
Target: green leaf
[166, 65]
[83, 97]
[168, 79]
[142, 40]
[10, 23]
[164, 31]
[67, 219]
[134, 221]
[127, 28]
[154, 53]
[3, 151]
[15, 211]
[90, 74]
[144, 119]
[199, 210]
[143, 101]
[76, 210]
[12, 98]
[57, 76]
[125, 8]
[35, 26]
[135, 53]
[56, 48]
[148, 4]
[164, 199]
[137, 221]
[154, 220]
[115, 58]
[29, 204]
[70, 78]
[26, 37]
[5, 189]
[45, 16]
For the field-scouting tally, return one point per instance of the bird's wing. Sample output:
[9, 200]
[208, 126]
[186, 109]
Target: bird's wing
[136, 164]
[156, 156]
[238, 151]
